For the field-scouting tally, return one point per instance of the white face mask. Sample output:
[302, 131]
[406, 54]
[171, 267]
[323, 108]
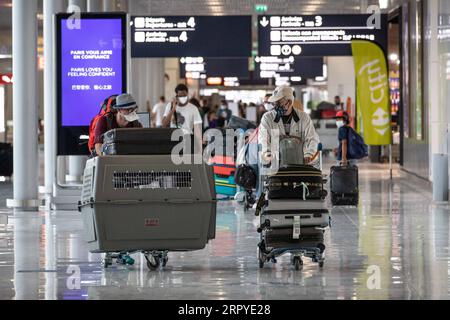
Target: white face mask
[340, 123]
[268, 106]
[131, 116]
[183, 100]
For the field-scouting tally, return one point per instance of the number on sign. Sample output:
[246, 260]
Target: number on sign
[183, 36]
[318, 21]
[191, 22]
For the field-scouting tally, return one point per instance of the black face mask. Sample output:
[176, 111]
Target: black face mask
[279, 109]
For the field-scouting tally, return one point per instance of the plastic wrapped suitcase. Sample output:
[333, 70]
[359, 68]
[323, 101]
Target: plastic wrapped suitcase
[296, 182]
[315, 214]
[344, 185]
[140, 141]
[147, 204]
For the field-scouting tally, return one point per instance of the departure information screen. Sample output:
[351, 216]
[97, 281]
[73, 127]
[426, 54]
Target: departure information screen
[275, 67]
[201, 68]
[317, 35]
[191, 36]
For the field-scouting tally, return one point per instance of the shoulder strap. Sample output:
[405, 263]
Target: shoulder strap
[175, 116]
[109, 120]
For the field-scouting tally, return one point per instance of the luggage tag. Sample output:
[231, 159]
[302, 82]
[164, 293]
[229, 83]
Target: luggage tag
[296, 228]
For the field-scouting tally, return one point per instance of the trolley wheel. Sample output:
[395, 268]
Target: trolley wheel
[298, 263]
[153, 265]
[321, 264]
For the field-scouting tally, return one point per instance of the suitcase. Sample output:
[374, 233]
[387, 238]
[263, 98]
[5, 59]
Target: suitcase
[282, 238]
[6, 160]
[225, 185]
[223, 165]
[139, 141]
[308, 217]
[296, 182]
[344, 185]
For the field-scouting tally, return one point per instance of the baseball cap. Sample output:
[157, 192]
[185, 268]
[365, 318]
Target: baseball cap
[282, 92]
[341, 114]
[125, 101]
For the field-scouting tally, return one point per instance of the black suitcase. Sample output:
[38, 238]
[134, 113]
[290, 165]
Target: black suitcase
[139, 141]
[290, 181]
[6, 160]
[344, 185]
[282, 238]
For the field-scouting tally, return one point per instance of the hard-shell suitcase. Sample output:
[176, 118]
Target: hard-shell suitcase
[139, 141]
[225, 185]
[296, 182]
[223, 165]
[6, 160]
[344, 185]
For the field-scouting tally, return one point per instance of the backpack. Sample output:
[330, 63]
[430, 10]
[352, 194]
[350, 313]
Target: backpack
[106, 109]
[357, 149]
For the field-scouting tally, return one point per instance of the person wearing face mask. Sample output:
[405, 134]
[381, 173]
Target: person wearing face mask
[223, 114]
[182, 114]
[342, 122]
[124, 115]
[284, 119]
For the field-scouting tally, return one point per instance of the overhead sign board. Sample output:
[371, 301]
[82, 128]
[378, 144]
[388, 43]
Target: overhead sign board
[191, 36]
[275, 67]
[317, 35]
[200, 68]
[91, 66]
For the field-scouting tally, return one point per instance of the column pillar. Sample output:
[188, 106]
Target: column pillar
[94, 5]
[79, 3]
[109, 5]
[50, 7]
[25, 109]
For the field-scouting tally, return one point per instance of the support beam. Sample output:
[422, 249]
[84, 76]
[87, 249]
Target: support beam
[94, 5]
[79, 3]
[50, 8]
[25, 108]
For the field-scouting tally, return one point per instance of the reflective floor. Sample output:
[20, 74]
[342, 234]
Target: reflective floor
[394, 246]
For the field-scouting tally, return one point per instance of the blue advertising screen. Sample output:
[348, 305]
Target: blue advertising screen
[91, 66]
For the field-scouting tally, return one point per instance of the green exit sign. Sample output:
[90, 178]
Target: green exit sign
[260, 7]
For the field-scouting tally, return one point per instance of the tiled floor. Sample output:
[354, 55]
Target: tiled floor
[396, 233]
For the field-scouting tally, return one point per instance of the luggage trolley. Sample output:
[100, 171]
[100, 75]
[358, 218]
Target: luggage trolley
[147, 204]
[294, 219]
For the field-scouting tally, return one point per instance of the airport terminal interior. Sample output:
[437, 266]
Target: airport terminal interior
[348, 100]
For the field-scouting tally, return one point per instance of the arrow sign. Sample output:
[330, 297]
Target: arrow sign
[257, 59]
[264, 22]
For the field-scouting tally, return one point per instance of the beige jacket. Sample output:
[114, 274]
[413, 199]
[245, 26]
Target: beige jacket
[301, 126]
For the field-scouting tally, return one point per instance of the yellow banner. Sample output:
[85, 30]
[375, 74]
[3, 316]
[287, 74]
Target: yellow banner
[372, 91]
